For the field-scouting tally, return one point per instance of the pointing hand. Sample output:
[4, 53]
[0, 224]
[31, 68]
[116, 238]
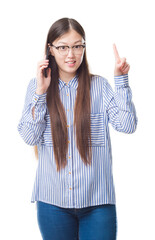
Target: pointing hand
[121, 66]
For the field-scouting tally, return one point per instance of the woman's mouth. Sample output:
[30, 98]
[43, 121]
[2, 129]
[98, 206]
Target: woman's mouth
[71, 63]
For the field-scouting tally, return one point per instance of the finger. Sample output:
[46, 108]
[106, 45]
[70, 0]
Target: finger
[43, 64]
[49, 72]
[42, 67]
[127, 67]
[43, 61]
[126, 70]
[124, 65]
[123, 61]
[117, 57]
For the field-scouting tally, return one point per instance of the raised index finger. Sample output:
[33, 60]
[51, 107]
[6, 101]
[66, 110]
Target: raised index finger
[117, 57]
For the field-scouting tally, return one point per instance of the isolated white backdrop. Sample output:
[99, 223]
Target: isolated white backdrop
[129, 24]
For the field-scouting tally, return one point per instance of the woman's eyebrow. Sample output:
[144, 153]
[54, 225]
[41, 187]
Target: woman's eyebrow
[78, 41]
[67, 43]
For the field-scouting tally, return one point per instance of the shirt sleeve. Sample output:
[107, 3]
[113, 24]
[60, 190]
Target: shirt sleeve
[31, 129]
[119, 106]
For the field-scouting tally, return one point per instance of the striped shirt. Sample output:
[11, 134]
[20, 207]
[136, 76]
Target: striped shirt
[78, 185]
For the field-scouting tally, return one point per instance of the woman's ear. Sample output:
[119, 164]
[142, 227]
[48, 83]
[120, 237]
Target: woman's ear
[51, 51]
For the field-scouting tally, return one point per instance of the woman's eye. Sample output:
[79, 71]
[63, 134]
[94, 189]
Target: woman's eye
[78, 46]
[63, 48]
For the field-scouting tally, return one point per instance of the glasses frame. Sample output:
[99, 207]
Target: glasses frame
[69, 47]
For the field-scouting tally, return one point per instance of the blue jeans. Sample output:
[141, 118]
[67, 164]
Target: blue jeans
[89, 223]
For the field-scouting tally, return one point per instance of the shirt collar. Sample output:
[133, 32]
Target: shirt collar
[72, 83]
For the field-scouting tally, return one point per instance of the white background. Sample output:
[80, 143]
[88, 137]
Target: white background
[129, 24]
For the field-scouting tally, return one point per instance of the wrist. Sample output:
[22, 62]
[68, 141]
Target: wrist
[117, 73]
[40, 91]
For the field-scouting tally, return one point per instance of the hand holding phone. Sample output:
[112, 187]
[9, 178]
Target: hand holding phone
[47, 58]
[44, 74]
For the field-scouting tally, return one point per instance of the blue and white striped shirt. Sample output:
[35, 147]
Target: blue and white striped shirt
[78, 185]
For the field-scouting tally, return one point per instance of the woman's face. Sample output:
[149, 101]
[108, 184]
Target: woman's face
[70, 62]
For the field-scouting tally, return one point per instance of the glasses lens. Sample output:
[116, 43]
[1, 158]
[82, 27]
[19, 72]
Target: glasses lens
[63, 50]
[78, 49]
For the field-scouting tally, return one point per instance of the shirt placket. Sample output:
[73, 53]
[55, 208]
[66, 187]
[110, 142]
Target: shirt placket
[69, 155]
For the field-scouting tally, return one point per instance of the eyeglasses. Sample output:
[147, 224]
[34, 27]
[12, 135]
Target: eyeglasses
[64, 50]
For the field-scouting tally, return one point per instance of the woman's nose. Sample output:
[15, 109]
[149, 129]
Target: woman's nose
[70, 52]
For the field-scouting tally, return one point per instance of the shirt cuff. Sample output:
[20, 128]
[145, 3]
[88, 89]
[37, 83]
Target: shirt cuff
[39, 98]
[121, 81]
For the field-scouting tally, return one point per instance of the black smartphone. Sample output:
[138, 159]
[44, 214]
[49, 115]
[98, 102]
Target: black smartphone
[47, 57]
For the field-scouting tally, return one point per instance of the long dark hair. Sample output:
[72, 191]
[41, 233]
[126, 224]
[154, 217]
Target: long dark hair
[82, 106]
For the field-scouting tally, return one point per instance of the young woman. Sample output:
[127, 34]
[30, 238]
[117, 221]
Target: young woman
[66, 117]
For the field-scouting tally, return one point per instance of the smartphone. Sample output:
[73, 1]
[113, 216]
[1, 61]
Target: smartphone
[47, 57]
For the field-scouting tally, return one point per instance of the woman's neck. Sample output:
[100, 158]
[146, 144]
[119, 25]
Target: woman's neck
[66, 77]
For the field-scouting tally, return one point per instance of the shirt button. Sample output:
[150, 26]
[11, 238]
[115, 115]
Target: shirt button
[69, 172]
[68, 126]
[67, 94]
[70, 188]
[68, 141]
[69, 157]
[35, 99]
[67, 110]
